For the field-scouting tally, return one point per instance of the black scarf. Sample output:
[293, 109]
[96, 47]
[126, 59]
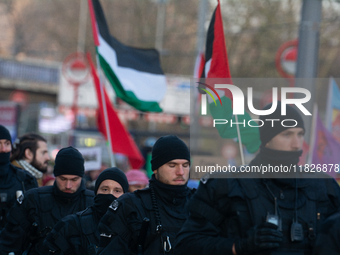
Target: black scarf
[276, 157]
[67, 198]
[282, 188]
[173, 194]
[7, 177]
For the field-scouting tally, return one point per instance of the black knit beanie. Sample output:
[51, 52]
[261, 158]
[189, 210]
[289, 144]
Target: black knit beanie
[272, 128]
[168, 148]
[69, 161]
[114, 174]
[4, 133]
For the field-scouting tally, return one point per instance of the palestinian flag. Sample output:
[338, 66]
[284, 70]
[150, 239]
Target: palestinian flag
[135, 74]
[120, 139]
[217, 66]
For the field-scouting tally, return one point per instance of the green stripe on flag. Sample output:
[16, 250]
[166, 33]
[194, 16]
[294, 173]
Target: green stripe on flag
[127, 96]
[250, 136]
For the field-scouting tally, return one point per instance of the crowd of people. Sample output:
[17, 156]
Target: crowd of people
[128, 213]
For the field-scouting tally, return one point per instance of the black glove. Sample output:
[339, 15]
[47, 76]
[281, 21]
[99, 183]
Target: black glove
[259, 238]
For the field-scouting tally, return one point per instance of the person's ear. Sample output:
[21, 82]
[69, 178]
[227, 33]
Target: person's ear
[29, 155]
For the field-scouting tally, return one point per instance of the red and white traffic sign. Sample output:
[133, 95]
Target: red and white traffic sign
[286, 58]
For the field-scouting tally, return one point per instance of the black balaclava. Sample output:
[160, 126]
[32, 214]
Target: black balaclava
[102, 201]
[7, 178]
[114, 174]
[168, 148]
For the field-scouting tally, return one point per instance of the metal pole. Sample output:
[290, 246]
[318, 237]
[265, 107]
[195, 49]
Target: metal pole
[160, 25]
[82, 26]
[194, 125]
[202, 11]
[307, 62]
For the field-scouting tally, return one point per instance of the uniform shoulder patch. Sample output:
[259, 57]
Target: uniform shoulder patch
[114, 205]
[205, 178]
[20, 197]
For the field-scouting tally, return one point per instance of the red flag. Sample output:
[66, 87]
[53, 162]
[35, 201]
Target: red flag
[217, 68]
[121, 141]
[216, 57]
[217, 65]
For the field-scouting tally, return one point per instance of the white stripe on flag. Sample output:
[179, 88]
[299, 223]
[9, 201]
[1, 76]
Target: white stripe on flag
[146, 86]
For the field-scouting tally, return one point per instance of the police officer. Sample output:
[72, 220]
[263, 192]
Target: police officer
[261, 216]
[13, 181]
[31, 154]
[31, 219]
[147, 221]
[78, 233]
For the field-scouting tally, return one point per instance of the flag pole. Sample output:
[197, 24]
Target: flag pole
[312, 135]
[106, 119]
[329, 111]
[239, 141]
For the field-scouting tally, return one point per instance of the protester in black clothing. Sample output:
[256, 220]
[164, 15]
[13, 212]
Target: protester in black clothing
[13, 181]
[32, 218]
[261, 216]
[77, 234]
[147, 221]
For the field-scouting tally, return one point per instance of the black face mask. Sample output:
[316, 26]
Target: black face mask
[7, 177]
[4, 158]
[4, 164]
[102, 203]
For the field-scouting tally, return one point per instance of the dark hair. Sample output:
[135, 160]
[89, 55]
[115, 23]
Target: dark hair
[27, 141]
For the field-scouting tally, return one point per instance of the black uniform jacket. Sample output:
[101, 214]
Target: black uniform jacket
[20, 181]
[122, 228]
[31, 220]
[223, 210]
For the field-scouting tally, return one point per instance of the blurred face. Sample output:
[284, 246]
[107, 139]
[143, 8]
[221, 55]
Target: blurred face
[5, 146]
[134, 187]
[110, 187]
[288, 140]
[41, 158]
[175, 172]
[68, 183]
[95, 173]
